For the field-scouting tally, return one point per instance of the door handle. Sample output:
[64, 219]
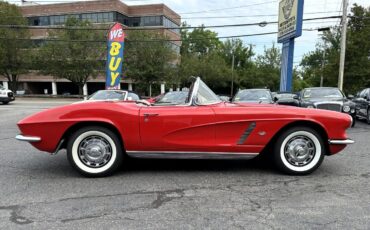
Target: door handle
[151, 114]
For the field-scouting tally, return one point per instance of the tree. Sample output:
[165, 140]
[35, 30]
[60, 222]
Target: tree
[75, 55]
[199, 41]
[148, 62]
[14, 46]
[266, 72]
[357, 64]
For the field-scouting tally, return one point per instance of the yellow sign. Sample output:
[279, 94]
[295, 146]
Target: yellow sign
[290, 19]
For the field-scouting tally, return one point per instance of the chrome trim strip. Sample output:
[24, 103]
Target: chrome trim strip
[27, 138]
[341, 142]
[246, 133]
[189, 155]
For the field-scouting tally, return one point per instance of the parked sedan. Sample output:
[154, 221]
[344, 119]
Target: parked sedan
[362, 102]
[260, 96]
[327, 98]
[114, 95]
[100, 135]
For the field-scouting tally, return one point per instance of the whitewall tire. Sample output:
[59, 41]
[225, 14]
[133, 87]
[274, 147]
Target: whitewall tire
[95, 151]
[299, 151]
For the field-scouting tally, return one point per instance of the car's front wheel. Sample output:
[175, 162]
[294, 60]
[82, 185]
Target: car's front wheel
[299, 151]
[95, 151]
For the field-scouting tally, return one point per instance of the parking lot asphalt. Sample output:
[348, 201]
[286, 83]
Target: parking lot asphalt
[39, 191]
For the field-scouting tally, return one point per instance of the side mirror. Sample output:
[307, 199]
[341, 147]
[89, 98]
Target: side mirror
[276, 99]
[350, 96]
[366, 98]
[295, 97]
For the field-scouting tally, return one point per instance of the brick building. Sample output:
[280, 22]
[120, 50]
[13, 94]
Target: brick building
[98, 12]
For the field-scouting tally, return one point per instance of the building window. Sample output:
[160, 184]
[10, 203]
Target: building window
[170, 24]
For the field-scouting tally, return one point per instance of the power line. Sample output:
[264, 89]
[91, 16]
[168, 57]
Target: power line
[157, 28]
[228, 8]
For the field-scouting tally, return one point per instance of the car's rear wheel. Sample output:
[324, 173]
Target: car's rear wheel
[5, 102]
[299, 151]
[95, 151]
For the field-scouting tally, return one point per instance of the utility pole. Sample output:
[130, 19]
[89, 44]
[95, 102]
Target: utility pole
[323, 29]
[343, 45]
[322, 69]
[232, 76]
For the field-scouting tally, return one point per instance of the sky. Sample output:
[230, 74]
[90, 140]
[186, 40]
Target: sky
[252, 11]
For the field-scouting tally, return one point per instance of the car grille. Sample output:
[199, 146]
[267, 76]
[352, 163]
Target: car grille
[332, 107]
[10, 94]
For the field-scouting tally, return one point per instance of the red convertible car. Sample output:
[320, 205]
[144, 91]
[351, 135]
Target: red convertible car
[99, 135]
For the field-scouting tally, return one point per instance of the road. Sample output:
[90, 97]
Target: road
[39, 191]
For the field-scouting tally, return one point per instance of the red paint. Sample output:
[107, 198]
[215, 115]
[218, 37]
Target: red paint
[213, 128]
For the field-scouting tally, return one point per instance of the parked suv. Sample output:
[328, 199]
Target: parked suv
[6, 95]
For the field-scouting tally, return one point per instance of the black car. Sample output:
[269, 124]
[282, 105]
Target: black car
[362, 102]
[327, 98]
[261, 96]
[286, 98]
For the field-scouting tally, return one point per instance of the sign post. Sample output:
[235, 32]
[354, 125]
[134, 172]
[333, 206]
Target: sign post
[290, 27]
[116, 44]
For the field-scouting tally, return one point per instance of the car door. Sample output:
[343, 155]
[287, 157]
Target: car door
[177, 128]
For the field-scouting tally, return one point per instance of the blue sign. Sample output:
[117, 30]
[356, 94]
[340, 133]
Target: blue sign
[290, 19]
[290, 27]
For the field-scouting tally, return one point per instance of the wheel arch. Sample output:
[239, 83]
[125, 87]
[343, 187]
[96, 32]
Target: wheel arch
[306, 123]
[83, 124]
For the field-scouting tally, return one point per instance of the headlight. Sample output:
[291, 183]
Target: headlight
[310, 106]
[346, 108]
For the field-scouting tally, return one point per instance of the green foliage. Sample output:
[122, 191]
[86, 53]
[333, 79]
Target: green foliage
[357, 64]
[199, 41]
[148, 62]
[14, 50]
[72, 58]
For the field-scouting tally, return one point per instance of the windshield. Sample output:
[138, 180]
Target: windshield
[108, 95]
[173, 98]
[285, 96]
[253, 96]
[1, 87]
[205, 95]
[322, 93]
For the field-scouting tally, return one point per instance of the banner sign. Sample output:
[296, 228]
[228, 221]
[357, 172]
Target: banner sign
[290, 19]
[116, 44]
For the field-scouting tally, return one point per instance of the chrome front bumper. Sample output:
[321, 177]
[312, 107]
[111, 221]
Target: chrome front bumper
[341, 142]
[27, 138]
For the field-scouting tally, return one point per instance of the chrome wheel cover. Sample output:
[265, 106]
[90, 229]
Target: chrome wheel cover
[299, 151]
[95, 151]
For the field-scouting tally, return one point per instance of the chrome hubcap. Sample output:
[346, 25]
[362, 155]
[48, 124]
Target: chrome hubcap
[299, 151]
[94, 151]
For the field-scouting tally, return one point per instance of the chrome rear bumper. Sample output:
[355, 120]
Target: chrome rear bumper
[27, 138]
[341, 142]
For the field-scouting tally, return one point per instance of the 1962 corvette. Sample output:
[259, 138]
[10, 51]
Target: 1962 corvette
[99, 136]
